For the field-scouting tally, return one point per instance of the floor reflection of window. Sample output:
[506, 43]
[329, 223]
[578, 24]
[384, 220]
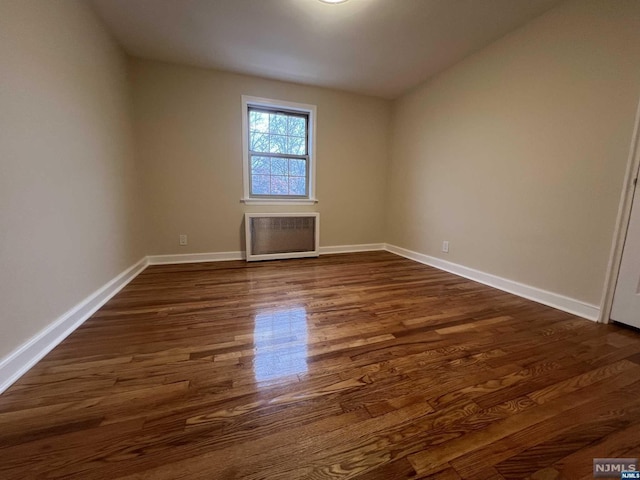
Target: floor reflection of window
[280, 339]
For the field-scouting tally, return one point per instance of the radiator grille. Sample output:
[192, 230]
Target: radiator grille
[280, 235]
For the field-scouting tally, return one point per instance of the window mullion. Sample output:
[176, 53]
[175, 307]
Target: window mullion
[253, 153]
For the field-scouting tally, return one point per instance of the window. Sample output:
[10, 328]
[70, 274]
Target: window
[278, 151]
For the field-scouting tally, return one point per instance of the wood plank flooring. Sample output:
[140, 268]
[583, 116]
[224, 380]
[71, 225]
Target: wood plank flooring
[357, 366]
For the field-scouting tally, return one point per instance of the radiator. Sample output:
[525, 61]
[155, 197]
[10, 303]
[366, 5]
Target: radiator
[282, 235]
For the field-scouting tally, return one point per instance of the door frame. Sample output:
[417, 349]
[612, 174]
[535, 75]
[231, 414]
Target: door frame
[622, 223]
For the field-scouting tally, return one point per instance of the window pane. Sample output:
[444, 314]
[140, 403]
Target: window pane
[277, 144]
[258, 121]
[297, 126]
[260, 184]
[278, 124]
[278, 176]
[297, 168]
[297, 186]
[279, 185]
[259, 142]
[273, 136]
[260, 165]
[296, 146]
[279, 166]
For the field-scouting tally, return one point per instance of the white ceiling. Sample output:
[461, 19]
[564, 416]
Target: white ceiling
[376, 47]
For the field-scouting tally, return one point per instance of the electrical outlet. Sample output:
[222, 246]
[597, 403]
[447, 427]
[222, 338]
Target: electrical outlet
[183, 240]
[445, 246]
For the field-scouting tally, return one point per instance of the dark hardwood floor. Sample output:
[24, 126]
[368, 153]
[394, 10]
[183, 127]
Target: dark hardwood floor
[366, 366]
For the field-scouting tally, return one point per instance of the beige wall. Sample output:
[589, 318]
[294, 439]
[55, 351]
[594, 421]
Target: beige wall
[67, 178]
[188, 131]
[517, 154]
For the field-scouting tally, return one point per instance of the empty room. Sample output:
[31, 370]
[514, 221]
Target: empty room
[319, 239]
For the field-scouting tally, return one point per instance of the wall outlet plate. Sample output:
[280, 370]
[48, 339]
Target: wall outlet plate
[183, 240]
[445, 246]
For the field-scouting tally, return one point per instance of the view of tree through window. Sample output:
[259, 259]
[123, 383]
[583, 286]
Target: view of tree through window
[278, 153]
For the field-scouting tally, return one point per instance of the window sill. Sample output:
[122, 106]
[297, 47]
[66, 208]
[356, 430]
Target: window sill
[279, 201]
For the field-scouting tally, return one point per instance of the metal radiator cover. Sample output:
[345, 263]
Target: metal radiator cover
[281, 236]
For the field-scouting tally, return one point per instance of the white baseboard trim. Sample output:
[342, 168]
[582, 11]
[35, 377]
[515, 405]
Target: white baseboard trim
[363, 247]
[18, 362]
[241, 255]
[555, 300]
[194, 258]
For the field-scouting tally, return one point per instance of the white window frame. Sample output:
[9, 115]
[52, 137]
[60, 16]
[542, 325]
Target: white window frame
[309, 110]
